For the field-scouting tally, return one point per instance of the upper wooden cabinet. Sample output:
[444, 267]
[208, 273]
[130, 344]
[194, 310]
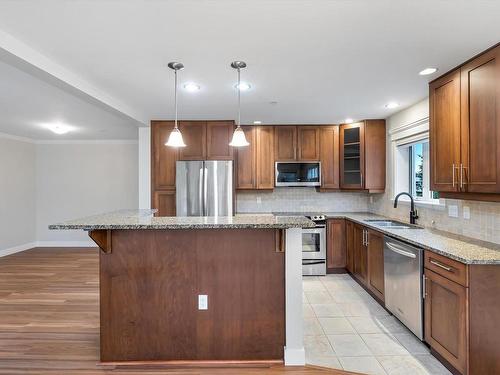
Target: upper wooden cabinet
[465, 129]
[296, 143]
[308, 143]
[255, 163]
[362, 156]
[444, 112]
[163, 158]
[206, 140]
[329, 157]
[285, 143]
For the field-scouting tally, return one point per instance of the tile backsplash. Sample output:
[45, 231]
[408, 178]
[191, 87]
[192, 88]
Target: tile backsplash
[484, 222]
[300, 199]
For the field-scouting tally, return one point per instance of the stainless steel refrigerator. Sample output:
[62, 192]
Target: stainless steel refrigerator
[204, 188]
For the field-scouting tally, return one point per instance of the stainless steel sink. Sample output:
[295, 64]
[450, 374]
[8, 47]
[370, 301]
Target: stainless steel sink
[393, 224]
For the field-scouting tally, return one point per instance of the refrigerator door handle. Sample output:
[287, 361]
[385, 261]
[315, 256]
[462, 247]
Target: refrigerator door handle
[205, 190]
[200, 193]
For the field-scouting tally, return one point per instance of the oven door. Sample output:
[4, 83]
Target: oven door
[314, 243]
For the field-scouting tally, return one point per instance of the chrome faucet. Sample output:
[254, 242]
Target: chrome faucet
[413, 211]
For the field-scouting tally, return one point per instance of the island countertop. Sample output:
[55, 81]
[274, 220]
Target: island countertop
[144, 219]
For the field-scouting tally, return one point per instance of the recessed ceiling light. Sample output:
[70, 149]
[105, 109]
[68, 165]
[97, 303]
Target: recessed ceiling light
[257, 122]
[58, 128]
[428, 71]
[348, 120]
[392, 105]
[243, 86]
[191, 87]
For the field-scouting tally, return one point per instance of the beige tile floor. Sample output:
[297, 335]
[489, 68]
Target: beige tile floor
[345, 328]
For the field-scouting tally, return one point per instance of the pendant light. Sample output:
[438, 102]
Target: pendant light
[239, 139]
[175, 138]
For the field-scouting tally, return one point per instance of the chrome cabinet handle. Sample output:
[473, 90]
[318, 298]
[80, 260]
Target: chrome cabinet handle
[367, 238]
[400, 251]
[441, 266]
[462, 183]
[453, 175]
[424, 287]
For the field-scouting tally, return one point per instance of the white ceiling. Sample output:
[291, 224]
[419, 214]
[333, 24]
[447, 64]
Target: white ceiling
[322, 61]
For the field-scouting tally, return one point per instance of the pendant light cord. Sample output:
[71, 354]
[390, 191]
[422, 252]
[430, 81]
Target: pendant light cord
[175, 99]
[239, 100]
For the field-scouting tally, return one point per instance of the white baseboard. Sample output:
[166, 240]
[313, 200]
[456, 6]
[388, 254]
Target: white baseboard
[65, 244]
[30, 245]
[17, 249]
[295, 357]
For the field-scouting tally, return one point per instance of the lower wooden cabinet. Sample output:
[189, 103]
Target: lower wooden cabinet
[376, 263]
[164, 202]
[349, 239]
[335, 246]
[360, 259]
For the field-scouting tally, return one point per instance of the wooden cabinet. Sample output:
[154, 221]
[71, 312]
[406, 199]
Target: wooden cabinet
[285, 143]
[164, 202]
[362, 156]
[219, 135]
[206, 140]
[375, 245]
[349, 237]
[446, 319]
[194, 134]
[360, 255]
[255, 163]
[465, 129]
[308, 143]
[296, 143]
[444, 132]
[336, 256]
[329, 157]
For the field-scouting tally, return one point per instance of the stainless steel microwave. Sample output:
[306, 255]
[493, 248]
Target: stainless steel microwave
[298, 174]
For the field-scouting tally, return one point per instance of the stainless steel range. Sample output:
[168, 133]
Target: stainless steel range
[314, 247]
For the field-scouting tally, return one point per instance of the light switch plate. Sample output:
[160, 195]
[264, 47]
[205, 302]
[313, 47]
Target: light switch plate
[453, 211]
[466, 212]
[202, 302]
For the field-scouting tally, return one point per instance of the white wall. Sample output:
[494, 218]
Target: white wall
[17, 194]
[80, 179]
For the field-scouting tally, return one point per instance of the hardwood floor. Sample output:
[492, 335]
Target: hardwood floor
[49, 318]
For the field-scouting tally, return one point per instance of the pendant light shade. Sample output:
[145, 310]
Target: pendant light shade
[175, 138]
[239, 139]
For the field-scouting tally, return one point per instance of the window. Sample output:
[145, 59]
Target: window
[412, 171]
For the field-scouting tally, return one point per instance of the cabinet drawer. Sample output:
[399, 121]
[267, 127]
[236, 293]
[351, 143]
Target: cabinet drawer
[446, 267]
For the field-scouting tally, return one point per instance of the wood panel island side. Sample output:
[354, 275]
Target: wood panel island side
[155, 271]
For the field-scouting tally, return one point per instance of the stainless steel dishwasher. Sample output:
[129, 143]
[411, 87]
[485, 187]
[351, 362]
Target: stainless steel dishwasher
[403, 270]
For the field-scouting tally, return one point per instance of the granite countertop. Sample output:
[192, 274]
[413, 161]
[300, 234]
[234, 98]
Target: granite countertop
[464, 249]
[144, 219]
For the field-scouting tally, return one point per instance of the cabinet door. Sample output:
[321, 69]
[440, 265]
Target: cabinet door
[444, 131]
[350, 246]
[219, 135]
[285, 143]
[164, 202]
[375, 155]
[446, 319]
[264, 138]
[329, 157]
[308, 143]
[194, 134]
[335, 245]
[246, 161]
[480, 95]
[163, 157]
[352, 156]
[360, 254]
[376, 263]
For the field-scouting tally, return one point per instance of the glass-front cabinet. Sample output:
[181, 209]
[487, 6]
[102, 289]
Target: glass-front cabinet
[352, 158]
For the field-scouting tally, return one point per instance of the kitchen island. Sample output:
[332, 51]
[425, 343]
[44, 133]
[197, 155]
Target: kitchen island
[198, 290]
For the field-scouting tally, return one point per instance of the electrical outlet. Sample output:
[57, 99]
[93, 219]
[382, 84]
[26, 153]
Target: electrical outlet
[259, 200]
[371, 199]
[202, 302]
[453, 211]
[466, 212]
